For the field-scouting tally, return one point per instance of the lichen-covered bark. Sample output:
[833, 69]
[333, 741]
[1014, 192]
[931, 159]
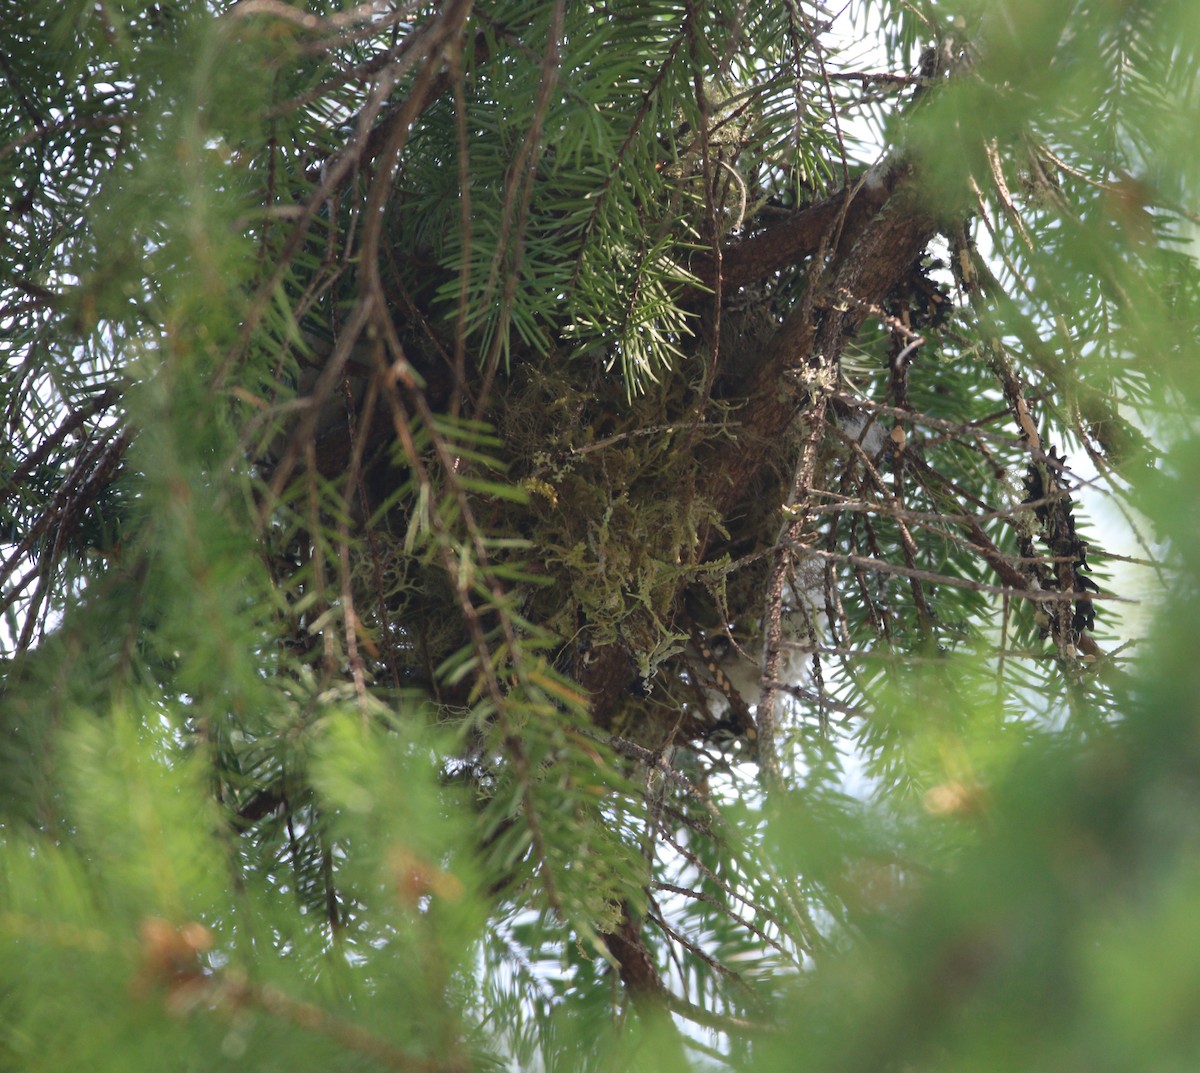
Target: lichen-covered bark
[858, 245]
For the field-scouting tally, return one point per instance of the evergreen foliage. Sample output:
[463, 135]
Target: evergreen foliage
[555, 536]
